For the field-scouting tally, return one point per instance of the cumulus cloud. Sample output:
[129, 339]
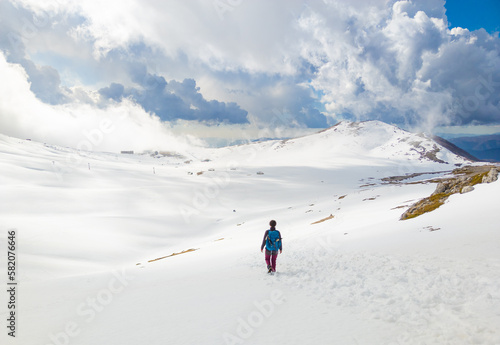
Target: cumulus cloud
[119, 126]
[293, 63]
[176, 100]
[23, 26]
[16, 26]
[403, 65]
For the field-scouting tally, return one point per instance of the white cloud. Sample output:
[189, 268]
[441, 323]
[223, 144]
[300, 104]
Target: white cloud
[117, 127]
[391, 60]
[400, 67]
[252, 35]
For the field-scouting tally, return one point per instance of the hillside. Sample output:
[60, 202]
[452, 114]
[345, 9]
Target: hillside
[350, 143]
[155, 249]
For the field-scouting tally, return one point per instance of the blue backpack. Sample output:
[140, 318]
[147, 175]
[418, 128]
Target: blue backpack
[273, 240]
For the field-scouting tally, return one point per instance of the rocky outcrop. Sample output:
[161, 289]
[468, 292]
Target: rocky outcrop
[462, 182]
[467, 189]
[492, 176]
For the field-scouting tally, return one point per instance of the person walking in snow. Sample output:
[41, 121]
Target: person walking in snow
[272, 242]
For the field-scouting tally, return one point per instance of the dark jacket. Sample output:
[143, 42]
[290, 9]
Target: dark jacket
[265, 237]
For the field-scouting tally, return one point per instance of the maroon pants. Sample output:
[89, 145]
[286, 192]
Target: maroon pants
[271, 257]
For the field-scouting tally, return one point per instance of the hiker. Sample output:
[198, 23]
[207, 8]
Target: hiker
[272, 242]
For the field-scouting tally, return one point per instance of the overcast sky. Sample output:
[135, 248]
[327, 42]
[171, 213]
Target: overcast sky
[236, 68]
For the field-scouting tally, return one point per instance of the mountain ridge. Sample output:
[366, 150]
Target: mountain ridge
[367, 138]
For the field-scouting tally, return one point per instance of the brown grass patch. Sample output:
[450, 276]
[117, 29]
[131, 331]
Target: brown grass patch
[426, 205]
[324, 219]
[174, 254]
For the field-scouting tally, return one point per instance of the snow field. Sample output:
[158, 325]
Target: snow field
[88, 237]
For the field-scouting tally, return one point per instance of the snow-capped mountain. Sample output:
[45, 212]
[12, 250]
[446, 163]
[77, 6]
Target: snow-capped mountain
[165, 247]
[373, 139]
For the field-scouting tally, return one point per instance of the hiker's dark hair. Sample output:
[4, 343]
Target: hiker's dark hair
[273, 224]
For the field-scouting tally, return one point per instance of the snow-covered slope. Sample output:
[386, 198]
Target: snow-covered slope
[90, 227]
[375, 139]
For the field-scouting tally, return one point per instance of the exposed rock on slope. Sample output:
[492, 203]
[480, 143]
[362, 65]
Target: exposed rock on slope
[454, 148]
[491, 176]
[463, 181]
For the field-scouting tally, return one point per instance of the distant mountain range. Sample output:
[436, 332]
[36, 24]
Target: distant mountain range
[484, 147]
